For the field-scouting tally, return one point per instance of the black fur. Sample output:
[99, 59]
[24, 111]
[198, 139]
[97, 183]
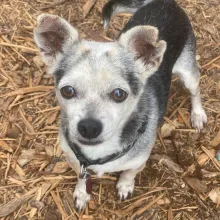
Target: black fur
[133, 82]
[111, 5]
[175, 28]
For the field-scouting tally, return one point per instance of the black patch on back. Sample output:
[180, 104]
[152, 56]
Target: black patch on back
[174, 28]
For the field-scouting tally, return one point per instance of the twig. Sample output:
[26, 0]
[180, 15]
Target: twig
[53, 5]
[210, 62]
[18, 46]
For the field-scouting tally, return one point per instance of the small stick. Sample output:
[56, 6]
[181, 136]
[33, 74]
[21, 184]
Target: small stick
[212, 61]
[181, 104]
[215, 162]
[18, 46]
[161, 140]
[184, 119]
[52, 5]
[49, 109]
[8, 165]
[28, 90]
[142, 210]
[100, 192]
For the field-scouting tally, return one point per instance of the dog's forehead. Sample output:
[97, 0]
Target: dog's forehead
[103, 63]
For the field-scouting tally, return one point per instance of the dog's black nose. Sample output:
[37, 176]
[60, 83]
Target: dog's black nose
[90, 128]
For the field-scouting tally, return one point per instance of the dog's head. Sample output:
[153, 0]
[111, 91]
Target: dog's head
[98, 85]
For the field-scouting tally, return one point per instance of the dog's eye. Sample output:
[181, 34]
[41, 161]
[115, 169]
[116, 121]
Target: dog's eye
[119, 95]
[68, 92]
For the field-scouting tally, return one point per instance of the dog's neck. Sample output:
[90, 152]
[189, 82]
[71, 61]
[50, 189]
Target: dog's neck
[86, 162]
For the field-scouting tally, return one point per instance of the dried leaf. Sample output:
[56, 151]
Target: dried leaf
[5, 146]
[167, 129]
[196, 184]
[60, 167]
[25, 157]
[214, 195]
[87, 7]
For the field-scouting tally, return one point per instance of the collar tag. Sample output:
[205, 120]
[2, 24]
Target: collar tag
[87, 178]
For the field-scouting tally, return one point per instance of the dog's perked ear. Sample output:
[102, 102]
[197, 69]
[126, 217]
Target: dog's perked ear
[142, 42]
[53, 35]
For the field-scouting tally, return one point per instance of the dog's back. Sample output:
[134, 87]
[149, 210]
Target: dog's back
[174, 27]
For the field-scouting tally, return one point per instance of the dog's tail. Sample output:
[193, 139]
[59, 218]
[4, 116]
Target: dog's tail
[114, 7]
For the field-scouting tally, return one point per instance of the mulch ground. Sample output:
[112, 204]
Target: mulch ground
[182, 177]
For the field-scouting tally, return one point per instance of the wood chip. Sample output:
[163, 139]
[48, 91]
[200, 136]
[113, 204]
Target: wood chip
[167, 161]
[216, 140]
[5, 146]
[214, 195]
[28, 90]
[39, 195]
[167, 129]
[37, 60]
[59, 204]
[60, 167]
[146, 207]
[170, 214]
[25, 157]
[87, 7]
[198, 185]
[49, 150]
[11, 206]
[51, 119]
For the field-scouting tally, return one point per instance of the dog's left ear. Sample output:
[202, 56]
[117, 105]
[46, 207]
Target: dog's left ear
[142, 42]
[53, 35]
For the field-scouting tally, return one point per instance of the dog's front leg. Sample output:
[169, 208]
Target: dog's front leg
[80, 196]
[125, 185]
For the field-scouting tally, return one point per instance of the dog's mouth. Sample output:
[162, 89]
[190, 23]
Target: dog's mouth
[90, 143]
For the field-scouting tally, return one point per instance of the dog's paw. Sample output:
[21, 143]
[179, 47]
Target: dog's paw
[198, 118]
[80, 197]
[125, 188]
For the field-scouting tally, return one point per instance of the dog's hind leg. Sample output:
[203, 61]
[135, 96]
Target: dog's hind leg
[187, 69]
[125, 184]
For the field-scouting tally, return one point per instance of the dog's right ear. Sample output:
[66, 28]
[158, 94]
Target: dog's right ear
[53, 35]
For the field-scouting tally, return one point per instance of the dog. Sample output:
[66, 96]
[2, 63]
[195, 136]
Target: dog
[113, 95]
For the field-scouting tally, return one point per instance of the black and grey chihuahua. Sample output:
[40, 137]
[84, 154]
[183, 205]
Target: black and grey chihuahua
[114, 95]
